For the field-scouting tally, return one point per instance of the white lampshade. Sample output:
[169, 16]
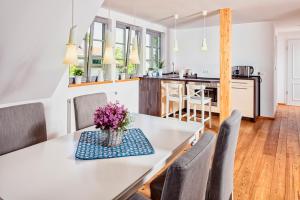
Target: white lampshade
[71, 55]
[134, 55]
[108, 56]
[71, 50]
[204, 45]
[108, 53]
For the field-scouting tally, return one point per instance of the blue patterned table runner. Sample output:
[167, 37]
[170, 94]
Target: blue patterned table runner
[134, 143]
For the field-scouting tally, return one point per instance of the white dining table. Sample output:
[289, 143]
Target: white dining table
[49, 170]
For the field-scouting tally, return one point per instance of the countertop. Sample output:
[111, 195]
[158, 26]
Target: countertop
[175, 77]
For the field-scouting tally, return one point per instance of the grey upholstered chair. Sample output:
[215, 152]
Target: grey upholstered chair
[187, 177]
[85, 107]
[21, 126]
[220, 186]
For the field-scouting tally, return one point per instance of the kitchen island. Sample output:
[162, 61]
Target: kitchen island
[245, 94]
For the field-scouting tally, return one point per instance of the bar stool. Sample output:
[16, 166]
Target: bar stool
[174, 93]
[195, 96]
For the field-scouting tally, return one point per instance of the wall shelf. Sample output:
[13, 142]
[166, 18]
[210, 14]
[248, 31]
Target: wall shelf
[102, 82]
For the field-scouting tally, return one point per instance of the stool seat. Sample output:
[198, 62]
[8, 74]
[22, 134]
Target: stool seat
[198, 100]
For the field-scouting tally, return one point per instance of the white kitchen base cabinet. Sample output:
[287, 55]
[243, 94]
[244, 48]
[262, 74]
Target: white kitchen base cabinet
[245, 97]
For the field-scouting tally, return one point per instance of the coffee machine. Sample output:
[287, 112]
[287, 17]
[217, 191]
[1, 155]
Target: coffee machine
[242, 71]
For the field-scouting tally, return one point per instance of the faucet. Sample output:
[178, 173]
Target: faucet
[173, 64]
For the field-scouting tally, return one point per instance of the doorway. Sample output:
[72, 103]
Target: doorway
[293, 75]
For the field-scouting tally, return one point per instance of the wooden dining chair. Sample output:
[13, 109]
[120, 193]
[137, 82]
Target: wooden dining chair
[220, 185]
[187, 177]
[21, 126]
[85, 107]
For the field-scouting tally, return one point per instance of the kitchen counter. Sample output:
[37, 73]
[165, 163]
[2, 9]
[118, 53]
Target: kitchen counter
[152, 93]
[198, 79]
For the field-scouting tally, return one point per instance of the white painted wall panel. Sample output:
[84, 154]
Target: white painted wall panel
[252, 44]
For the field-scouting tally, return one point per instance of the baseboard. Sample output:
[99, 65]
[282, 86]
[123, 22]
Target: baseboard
[265, 117]
[282, 104]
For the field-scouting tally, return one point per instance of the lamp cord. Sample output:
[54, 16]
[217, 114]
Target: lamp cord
[72, 13]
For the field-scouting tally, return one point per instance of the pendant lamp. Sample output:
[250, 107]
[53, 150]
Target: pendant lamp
[176, 49]
[71, 57]
[134, 54]
[204, 41]
[108, 57]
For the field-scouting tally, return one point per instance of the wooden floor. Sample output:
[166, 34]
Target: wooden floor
[267, 163]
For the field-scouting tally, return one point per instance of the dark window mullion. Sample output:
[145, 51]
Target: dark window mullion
[128, 47]
[91, 38]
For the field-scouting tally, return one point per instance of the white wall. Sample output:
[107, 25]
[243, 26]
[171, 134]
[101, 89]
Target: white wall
[282, 39]
[55, 102]
[32, 44]
[252, 44]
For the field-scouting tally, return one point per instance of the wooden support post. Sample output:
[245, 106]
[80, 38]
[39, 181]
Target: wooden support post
[225, 63]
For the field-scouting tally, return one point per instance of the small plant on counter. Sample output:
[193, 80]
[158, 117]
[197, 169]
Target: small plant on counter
[78, 73]
[150, 71]
[122, 72]
[161, 65]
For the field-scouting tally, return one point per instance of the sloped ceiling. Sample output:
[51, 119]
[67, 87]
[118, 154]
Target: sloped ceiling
[33, 34]
[244, 11]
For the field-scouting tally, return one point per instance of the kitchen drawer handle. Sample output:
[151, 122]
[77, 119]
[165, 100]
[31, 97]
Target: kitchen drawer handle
[240, 83]
[239, 88]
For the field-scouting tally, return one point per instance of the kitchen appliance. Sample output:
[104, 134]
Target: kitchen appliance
[242, 71]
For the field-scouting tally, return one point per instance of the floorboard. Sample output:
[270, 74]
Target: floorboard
[267, 162]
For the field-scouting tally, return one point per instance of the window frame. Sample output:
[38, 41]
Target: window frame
[152, 47]
[90, 57]
[128, 41]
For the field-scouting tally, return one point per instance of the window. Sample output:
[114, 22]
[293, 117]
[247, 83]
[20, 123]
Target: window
[153, 49]
[91, 51]
[124, 42]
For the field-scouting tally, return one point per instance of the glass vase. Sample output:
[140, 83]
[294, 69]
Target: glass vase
[113, 138]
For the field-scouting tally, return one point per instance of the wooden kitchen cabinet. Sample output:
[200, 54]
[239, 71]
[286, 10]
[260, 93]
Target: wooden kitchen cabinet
[150, 96]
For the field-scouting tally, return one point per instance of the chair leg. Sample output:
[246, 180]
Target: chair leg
[180, 109]
[202, 113]
[209, 114]
[174, 113]
[188, 112]
[195, 113]
[167, 107]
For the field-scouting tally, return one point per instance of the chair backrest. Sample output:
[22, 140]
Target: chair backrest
[221, 180]
[21, 126]
[174, 89]
[195, 90]
[85, 107]
[187, 177]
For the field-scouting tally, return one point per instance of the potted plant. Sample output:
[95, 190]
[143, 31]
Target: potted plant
[78, 72]
[150, 71]
[122, 71]
[113, 119]
[161, 65]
